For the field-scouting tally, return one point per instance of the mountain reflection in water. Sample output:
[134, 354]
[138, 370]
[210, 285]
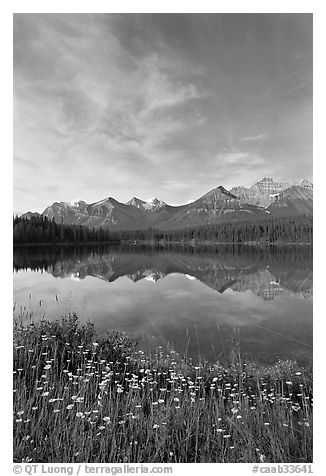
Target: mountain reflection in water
[178, 304]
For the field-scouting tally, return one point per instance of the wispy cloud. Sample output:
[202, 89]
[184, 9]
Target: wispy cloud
[258, 137]
[150, 105]
[231, 159]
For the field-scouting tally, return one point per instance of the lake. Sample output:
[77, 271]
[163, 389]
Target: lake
[194, 300]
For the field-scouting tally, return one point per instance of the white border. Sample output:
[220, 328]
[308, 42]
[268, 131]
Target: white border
[168, 6]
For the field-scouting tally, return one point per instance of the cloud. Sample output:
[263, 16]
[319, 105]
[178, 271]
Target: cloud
[162, 86]
[81, 97]
[233, 159]
[258, 137]
[148, 105]
[22, 162]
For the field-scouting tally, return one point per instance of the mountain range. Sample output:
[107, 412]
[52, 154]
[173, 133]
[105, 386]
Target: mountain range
[265, 192]
[265, 198]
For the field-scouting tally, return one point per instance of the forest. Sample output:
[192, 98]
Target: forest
[282, 230]
[40, 229]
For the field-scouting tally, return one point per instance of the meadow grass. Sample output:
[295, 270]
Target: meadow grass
[79, 397]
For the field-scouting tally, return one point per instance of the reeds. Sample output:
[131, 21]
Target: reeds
[79, 397]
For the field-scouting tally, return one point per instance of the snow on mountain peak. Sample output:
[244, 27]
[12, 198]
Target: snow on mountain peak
[153, 203]
[150, 204]
[136, 202]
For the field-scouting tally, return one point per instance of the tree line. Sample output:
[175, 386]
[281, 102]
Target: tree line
[272, 230]
[39, 229]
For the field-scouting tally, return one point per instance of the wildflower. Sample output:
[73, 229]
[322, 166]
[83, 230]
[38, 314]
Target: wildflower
[56, 410]
[266, 424]
[80, 415]
[19, 420]
[288, 382]
[52, 400]
[154, 403]
[119, 390]
[121, 422]
[177, 399]
[44, 394]
[160, 400]
[156, 426]
[234, 410]
[20, 413]
[171, 453]
[298, 373]
[215, 379]
[226, 436]
[107, 418]
[306, 423]
[70, 406]
[101, 427]
[95, 344]
[34, 408]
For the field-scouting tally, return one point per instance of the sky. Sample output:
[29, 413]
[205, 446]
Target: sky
[165, 105]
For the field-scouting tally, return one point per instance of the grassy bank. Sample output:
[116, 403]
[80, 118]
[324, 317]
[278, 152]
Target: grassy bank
[79, 397]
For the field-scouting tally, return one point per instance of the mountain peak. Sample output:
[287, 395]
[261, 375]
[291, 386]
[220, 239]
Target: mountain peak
[154, 203]
[306, 184]
[225, 191]
[295, 192]
[216, 194]
[293, 201]
[266, 179]
[136, 202]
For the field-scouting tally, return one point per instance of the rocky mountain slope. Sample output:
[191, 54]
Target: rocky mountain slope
[293, 201]
[219, 205]
[216, 206]
[264, 192]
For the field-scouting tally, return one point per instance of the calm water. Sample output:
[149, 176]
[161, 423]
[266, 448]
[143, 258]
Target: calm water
[192, 299]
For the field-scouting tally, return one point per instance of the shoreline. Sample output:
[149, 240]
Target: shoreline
[160, 243]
